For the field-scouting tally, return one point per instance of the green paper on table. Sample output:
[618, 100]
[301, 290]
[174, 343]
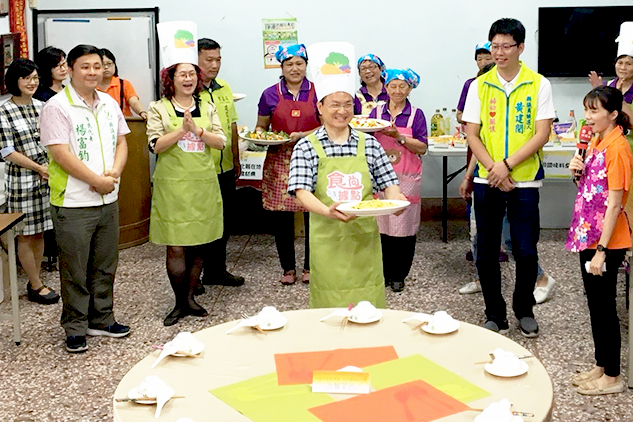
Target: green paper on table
[414, 367]
[262, 400]
[415, 401]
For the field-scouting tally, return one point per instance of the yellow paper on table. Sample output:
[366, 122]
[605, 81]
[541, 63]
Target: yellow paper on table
[262, 400]
[340, 382]
[417, 367]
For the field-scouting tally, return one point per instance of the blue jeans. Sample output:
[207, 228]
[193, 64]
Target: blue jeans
[521, 207]
[505, 241]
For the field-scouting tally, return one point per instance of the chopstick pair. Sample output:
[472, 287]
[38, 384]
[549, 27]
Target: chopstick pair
[255, 327]
[491, 359]
[523, 414]
[127, 399]
[187, 354]
[417, 327]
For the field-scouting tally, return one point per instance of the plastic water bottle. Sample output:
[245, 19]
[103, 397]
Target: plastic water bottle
[572, 120]
[447, 122]
[455, 127]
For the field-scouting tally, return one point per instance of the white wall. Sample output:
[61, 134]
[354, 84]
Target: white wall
[4, 25]
[435, 38]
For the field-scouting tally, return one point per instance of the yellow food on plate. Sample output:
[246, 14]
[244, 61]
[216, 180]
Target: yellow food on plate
[373, 204]
[363, 122]
[267, 136]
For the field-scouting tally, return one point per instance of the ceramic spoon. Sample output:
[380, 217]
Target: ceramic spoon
[161, 398]
[337, 312]
[168, 349]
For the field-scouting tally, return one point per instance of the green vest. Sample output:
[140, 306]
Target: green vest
[223, 100]
[345, 258]
[509, 121]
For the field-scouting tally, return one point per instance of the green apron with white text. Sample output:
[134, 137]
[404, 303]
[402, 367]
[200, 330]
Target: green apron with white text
[186, 199]
[345, 258]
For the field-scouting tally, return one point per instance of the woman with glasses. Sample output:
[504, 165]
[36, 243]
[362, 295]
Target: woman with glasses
[403, 142]
[26, 172]
[288, 106]
[53, 70]
[119, 89]
[186, 211]
[372, 91]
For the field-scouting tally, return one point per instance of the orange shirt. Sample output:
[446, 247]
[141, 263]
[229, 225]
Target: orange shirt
[114, 90]
[619, 161]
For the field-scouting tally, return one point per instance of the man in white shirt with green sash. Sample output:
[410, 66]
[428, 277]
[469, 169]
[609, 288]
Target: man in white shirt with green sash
[84, 131]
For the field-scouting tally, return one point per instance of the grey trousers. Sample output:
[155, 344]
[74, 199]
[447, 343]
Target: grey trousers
[88, 242]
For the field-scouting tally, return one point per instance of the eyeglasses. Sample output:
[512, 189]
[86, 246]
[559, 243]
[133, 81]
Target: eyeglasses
[505, 47]
[185, 75]
[370, 68]
[336, 106]
[108, 65]
[31, 79]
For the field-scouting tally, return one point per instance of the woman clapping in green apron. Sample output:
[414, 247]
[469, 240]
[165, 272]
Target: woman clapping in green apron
[186, 210]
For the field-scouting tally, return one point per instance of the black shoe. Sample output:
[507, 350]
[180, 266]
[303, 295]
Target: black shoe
[226, 279]
[397, 286]
[503, 257]
[48, 299]
[528, 327]
[197, 310]
[115, 330]
[76, 344]
[199, 289]
[500, 327]
[174, 316]
[469, 256]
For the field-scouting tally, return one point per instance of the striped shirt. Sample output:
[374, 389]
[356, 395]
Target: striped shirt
[305, 162]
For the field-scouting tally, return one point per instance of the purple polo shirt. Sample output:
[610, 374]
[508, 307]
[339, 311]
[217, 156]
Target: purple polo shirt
[270, 97]
[358, 108]
[462, 99]
[418, 128]
[628, 95]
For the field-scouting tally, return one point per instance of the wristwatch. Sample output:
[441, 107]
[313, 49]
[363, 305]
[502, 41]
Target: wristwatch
[601, 248]
[402, 140]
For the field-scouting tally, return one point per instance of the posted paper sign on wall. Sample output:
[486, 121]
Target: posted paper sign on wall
[277, 32]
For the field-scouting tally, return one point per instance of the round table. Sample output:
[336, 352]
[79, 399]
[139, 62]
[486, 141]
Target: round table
[247, 353]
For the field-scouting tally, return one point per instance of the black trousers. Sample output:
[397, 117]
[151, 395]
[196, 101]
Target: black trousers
[601, 295]
[397, 256]
[215, 258]
[521, 205]
[284, 229]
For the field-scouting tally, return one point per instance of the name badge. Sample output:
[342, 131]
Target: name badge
[296, 113]
[191, 143]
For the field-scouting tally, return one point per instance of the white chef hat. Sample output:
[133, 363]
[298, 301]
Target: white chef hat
[330, 68]
[625, 39]
[178, 42]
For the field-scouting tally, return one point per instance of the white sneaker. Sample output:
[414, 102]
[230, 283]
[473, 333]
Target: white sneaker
[470, 288]
[541, 294]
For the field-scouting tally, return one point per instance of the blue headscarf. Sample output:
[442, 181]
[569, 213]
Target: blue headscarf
[372, 58]
[285, 52]
[483, 46]
[407, 75]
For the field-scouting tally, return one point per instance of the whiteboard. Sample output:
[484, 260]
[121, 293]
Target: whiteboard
[130, 40]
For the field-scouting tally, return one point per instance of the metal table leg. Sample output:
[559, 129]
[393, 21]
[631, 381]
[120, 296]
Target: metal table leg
[13, 277]
[445, 199]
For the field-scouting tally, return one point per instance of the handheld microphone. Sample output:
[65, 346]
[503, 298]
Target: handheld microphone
[584, 136]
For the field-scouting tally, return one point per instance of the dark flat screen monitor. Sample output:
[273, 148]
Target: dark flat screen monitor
[572, 41]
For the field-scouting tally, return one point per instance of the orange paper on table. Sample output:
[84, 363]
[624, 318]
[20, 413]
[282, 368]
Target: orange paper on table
[297, 368]
[415, 401]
